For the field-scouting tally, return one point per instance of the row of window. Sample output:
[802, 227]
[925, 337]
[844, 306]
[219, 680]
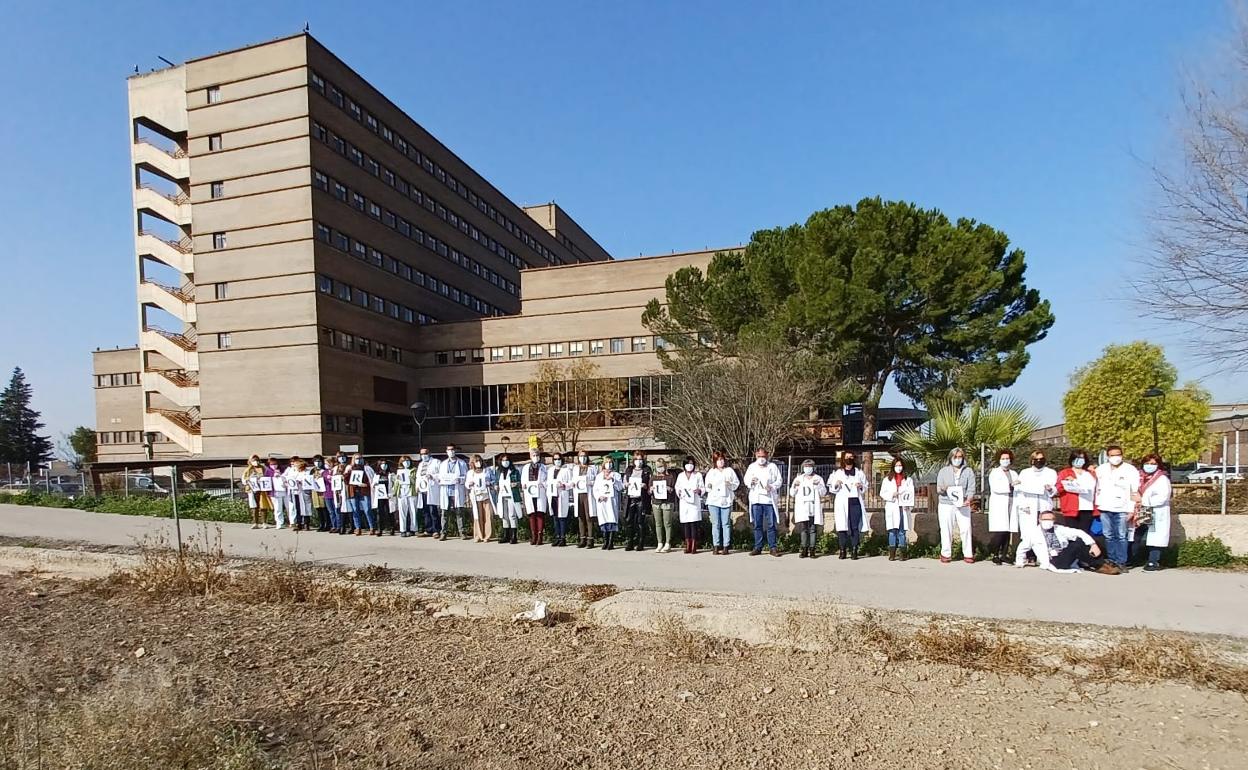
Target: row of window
[410, 191]
[352, 343]
[345, 243]
[116, 380]
[341, 423]
[355, 200]
[357, 296]
[127, 437]
[407, 149]
[552, 350]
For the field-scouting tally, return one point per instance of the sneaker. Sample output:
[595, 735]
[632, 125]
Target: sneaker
[945, 560]
[255, 526]
[968, 560]
[1147, 568]
[755, 553]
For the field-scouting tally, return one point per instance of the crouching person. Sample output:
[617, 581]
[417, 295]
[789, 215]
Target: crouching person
[1065, 549]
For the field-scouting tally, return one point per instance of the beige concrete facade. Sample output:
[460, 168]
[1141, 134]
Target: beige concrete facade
[304, 249]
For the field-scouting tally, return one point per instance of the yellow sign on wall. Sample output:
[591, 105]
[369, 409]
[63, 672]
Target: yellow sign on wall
[534, 443]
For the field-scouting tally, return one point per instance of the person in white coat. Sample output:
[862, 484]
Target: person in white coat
[583, 475]
[452, 496]
[407, 498]
[383, 492]
[721, 488]
[281, 503]
[1152, 519]
[1002, 519]
[510, 505]
[808, 491]
[558, 498]
[1117, 488]
[427, 484]
[533, 482]
[955, 486]
[897, 492]
[849, 485]
[1033, 496]
[480, 483]
[763, 480]
[690, 488]
[1064, 549]
[606, 490]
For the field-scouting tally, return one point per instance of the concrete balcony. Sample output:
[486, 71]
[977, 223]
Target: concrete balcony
[174, 254]
[175, 209]
[180, 303]
[182, 428]
[174, 166]
[178, 348]
[181, 388]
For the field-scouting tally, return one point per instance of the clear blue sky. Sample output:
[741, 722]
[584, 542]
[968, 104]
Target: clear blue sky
[659, 126]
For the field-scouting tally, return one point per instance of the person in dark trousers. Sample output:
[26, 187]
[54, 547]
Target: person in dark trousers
[849, 485]
[637, 493]
[510, 504]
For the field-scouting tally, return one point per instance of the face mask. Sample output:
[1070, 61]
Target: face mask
[407, 463]
[1115, 460]
[424, 458]
[582, 459]
[558, 462]
[956, 462]
[636, 463]
[1038, 462]
[385, 466]
[255, 463]
[761, 460]
[898, 468]
[1150, 467]
[1079, 462]
[1005, 462]
[849, 465]
[532, 458]
[506, 463]
[359, 461]
[450, 453]
[662, 468]
[477, 464]
[318, 464]
[273, 466]
[1046, 525]
[342, 460]
[806, 469]
[719, 463]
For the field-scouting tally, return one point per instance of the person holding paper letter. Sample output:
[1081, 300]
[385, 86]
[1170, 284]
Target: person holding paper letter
[558, 484]
[360, 494]
[1076, 492]
[1002, 518]
[955, 486]
[606, 490]
[849, 485]
[583, 475]
[763, 479]
[480, 484]
[407, 500]
[510, 503]
[258, 501]
[897, 492]
[282, 509]
[1033, 496]
[427, 485]
[689, 490]
[452, 497]
[322, 499]
[1117, 488]
[338, 488]
[808, 491]
[662, 494]
[637, 507]
[383, 489]
[721, 487]
[533, 477]
[1152, 519]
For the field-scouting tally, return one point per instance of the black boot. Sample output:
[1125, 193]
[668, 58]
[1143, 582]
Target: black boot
[842, 552]
[802, 555]
[514, 532]
[505, 536]
[854, 556]
[606, 541]
[892, 553]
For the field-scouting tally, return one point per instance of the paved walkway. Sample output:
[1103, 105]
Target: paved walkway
[1185, 600]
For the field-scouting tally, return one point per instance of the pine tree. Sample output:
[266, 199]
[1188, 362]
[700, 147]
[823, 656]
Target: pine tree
[20, 442]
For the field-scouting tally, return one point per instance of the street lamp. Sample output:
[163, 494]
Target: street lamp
[1155, 397]
[419, 410]
[1237, 424]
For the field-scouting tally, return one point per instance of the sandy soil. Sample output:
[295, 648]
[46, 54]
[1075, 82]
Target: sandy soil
[325, 688]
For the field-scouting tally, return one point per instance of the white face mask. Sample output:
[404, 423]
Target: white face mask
[807, 469]
[689, 467]
[450, 453]
[477, 464]
[407, 463]
[1046, 525]
[1150, 467]
[558, 462]
[956, 462]
[1079, 462]
[719, 463]
[1115, 459]
[582, 459]
[424, 458]
[761, 460]
[506, 463]
[898, 468]
[1005, 462]
[636, 463]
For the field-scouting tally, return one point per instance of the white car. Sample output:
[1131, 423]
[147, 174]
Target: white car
[1214, 475]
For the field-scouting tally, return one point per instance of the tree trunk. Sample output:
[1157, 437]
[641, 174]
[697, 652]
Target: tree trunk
[870, 423]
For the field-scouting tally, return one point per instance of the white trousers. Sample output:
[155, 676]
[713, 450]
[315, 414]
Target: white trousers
[1028, 532]
[281, 506]
[408, 514]
[510, 512]
[953, 516]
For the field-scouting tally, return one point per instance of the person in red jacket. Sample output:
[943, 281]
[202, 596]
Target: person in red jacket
[1076, 492]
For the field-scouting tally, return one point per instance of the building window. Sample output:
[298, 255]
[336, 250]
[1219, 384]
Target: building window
[340, 192]
[331, 424]
[379, 350]
[617, 344]
[536, 351]
[214, 142]
[478, 356]
[517, 352]
[639, 344]
[322, 233]
[324, 284]
[576, 348]
[223, 340]
[363, 345]
[461, 356]
[596, 347]
[320, 181]
[498, 354]
[441, 358]
[660, 343]
[346, 341]
[214, 94]
[217, 190]
[218, 240]
[396, 355]
[556, 349]
[220, 290]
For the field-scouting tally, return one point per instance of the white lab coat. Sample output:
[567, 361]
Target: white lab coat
[898, 501]
[383, 487]
[582, 480]
[808, 491]
[427, 477]
[606, 497]
[451, 474]
[1033, 540]
[1033, 495]
[558, 481]
[405, 486]
[1115, 486]
[847, 487]
[534, 497]
[1001, 514]
[721, 484]
[689, 490]
[764, 482]
[1157, 497]
[477, 485]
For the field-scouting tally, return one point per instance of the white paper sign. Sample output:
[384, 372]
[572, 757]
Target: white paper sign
[582, 484]
[480, 493]
[658, 488]
[449, 479]
[533, 489]
[319, 483]
[382, 492]
[634, 486]
[422, 483]
[279, 483]
[905, 498]
[357, 478]
[955, 495]
[552, 488]
[264, 484]
[335, 482]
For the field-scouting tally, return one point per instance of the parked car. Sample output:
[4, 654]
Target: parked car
[213, 487]
[1213, 475]
[1181, 474]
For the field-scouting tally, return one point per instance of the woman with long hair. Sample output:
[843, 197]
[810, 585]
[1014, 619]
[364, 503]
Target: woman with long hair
[1152, 517]
[1002, 518]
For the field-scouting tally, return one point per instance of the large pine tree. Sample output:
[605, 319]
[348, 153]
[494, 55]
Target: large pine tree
[20, 441]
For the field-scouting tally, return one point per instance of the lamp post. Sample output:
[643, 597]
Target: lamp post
[1237, 424]
[1155, 397]
[419, 410]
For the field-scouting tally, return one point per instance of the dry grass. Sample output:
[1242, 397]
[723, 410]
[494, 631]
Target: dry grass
[685, 643]
[371, 573]
[598, 591]
[965, 647]
[1156, 657]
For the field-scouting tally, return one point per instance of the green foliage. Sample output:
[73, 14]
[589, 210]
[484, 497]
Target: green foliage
[1206, 551]
[1000, 424]
[1106, 405]
[193, 505]
[82, 441]
[20, 441]
[884, 288]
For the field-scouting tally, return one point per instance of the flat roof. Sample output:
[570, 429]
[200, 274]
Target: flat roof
[626, 260]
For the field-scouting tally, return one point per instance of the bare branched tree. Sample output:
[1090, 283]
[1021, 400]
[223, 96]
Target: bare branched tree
[562, 401]
[1196, 275]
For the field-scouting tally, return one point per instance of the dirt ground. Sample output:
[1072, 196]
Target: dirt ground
[308, 687]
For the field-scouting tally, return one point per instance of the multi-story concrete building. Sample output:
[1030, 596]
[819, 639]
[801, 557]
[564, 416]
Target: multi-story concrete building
[311, 261]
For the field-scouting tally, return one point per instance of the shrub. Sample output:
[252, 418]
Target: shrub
[1207, 551]
[193, 505]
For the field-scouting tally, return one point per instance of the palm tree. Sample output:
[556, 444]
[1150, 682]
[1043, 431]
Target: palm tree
[1001, 424]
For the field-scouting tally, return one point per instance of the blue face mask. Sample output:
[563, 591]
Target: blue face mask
[1079, 462]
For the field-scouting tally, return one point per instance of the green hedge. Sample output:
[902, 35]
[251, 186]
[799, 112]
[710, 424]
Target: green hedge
[193, 505]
